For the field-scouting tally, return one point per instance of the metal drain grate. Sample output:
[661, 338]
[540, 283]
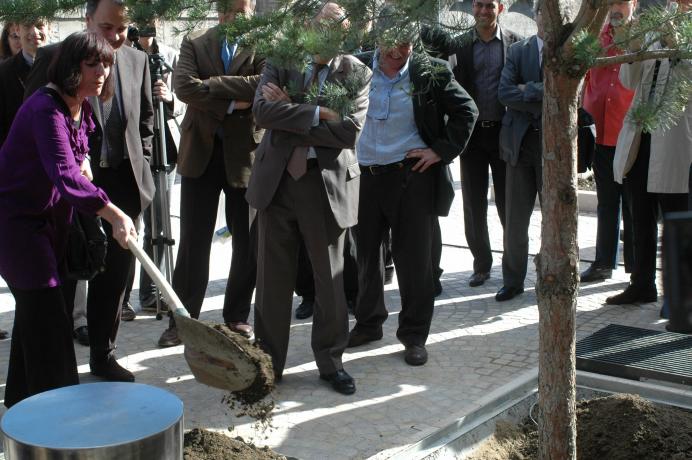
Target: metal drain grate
[633, 353]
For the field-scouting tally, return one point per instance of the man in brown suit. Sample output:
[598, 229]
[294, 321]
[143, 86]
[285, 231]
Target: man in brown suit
[304, 184]
[217, 80]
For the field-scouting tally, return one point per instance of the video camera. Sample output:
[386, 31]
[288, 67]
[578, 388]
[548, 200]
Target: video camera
[157, 62]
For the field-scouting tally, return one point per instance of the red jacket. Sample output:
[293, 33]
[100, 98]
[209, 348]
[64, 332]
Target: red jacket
[604, 97]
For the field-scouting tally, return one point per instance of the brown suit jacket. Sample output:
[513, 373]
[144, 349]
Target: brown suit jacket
[199, 81]
[135, 79]
[289, 124]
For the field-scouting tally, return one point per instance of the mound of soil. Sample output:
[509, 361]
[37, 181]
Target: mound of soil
[208, 445]
[618, 427]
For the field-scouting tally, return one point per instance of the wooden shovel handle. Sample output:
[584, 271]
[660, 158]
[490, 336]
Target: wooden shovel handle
[166, 289]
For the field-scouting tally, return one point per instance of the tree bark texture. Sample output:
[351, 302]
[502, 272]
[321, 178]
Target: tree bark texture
[557, 269]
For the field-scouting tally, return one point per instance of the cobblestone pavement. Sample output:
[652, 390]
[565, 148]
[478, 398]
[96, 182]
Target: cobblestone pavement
[476, 345]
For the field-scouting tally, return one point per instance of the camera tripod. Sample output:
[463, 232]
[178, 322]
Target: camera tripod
[161, 235]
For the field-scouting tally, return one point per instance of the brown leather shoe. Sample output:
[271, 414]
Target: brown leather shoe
[169, 338]
[242, 328]
[110, 370]
[128, 313]
[478, 279]
[357, 338]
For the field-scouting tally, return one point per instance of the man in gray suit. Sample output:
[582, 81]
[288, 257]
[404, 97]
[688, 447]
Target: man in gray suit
[521, 90]
[304, 184]
[119, 149]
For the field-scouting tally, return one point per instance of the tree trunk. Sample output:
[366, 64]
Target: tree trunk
[557, 270]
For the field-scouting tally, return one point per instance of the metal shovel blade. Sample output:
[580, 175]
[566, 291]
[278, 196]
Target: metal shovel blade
[213, 358]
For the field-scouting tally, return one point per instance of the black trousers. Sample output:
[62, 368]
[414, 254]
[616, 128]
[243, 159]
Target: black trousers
[41, 353]
[610, 194]
[305, 282]
[107, 289]
[199, 200]
[403, 201]
[483, 151]
[645, 212]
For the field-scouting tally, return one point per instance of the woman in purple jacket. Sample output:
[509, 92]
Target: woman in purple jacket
[44, 176]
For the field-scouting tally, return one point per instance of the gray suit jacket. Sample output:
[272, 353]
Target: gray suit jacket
[133, 68]
[524, 108]
[289, 124]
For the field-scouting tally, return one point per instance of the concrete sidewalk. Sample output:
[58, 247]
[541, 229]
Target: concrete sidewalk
[475, 345]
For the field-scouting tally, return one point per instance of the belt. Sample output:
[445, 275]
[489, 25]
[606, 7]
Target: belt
[376, 170]
[487, 124]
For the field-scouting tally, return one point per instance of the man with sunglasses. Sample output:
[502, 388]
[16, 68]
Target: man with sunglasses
[478, 57]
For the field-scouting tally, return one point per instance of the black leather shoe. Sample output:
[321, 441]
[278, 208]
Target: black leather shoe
[507, 293]
[633, 294]
[357, 338]
[595, 274]
[81, 334]
[341, 382]
[110, 370]
[415, 355]
[128, 313]
[478, 279]
[169, 338]
[305, 308]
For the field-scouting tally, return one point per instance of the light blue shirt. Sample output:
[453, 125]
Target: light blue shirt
[390, 127]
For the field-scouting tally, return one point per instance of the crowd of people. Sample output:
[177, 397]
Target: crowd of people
[77, 133]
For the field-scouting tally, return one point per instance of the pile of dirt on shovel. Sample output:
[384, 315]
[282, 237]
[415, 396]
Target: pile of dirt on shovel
[208, 445]
[618, 427]
[252, 401]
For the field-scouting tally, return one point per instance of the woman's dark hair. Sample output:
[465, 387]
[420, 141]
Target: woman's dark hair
[65, 69]
[5, 50]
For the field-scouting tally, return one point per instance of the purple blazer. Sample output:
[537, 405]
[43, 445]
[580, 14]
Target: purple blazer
[40, 183]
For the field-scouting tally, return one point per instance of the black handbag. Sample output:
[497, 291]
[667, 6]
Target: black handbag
[87, 245]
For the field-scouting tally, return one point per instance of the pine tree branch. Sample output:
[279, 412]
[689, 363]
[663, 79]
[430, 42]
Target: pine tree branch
[643, 56]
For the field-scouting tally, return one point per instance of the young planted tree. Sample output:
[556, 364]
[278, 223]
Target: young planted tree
[571, 48]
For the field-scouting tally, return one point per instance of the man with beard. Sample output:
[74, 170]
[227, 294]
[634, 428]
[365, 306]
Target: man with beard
[607, 101]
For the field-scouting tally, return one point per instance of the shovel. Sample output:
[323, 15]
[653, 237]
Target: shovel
[214, 359]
